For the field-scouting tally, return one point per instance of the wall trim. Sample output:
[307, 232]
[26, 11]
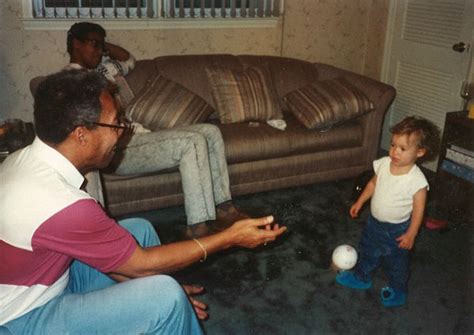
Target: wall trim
[151, 24]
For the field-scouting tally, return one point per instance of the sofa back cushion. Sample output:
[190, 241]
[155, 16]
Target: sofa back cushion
[323, 104]
[144, 70]
[163, 104]
[190, 71]
[243, 95]
[287, 74]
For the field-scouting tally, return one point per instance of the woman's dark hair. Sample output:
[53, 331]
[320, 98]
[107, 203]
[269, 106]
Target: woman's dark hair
[80, 31]
[427, 132]
[65, 100]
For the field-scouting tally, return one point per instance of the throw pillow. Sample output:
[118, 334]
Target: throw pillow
[246, 95]
[323, 104]
[163, 103]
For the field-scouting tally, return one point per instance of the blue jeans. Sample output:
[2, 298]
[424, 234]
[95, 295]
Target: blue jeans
[378, 246]
[95, 304]
[198, 151]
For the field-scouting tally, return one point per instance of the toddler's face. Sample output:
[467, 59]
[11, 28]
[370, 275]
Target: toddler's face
[404, 150]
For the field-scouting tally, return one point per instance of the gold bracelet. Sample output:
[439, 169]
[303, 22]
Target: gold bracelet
[203, 249]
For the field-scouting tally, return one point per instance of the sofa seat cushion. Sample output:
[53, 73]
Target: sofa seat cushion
[246, 142]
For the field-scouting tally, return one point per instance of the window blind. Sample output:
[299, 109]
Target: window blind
[146, 9]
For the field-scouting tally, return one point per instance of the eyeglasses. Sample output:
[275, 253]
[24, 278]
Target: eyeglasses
[97, 44]
[124, 125]
[117, 127]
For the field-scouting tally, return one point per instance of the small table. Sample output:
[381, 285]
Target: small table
[453, 190]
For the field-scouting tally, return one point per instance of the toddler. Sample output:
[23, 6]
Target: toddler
[398, 191]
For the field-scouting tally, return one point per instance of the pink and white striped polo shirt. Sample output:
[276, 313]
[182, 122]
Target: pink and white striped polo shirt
[47, 221]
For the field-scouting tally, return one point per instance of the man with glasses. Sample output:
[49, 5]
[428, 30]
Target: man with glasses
[65, 266]
[198, 150]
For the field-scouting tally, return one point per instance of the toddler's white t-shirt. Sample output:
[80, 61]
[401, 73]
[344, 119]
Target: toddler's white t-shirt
[392, 200]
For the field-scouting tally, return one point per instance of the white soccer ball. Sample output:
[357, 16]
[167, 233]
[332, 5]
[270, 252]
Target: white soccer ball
[344, 257]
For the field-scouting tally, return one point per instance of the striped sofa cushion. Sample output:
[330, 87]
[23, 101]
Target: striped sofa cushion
[162, 103]
[323, 104]
[243, 95]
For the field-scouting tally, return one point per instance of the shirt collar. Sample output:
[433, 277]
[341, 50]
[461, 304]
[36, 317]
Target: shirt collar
[73, 66]
[58, 162]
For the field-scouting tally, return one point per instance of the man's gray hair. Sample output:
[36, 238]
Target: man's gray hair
[66, 100]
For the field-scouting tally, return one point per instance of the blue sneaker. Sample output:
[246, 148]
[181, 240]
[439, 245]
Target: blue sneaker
[348, 279]
[392, 298]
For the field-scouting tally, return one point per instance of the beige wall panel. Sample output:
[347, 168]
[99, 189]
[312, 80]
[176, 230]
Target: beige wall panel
[348, 34]
[344, 33]
[153, 43]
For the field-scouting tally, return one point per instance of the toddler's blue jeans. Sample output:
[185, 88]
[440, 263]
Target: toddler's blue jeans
[95, 304]
[378, 246]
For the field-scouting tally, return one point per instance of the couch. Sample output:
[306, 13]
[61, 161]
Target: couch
[260, 157]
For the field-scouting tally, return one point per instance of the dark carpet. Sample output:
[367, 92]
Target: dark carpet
[288, 288]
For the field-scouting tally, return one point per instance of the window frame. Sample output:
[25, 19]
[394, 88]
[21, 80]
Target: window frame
[32, 23]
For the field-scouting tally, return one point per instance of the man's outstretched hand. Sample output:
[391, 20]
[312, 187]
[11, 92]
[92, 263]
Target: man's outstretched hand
[250, 233]
[247, 233]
